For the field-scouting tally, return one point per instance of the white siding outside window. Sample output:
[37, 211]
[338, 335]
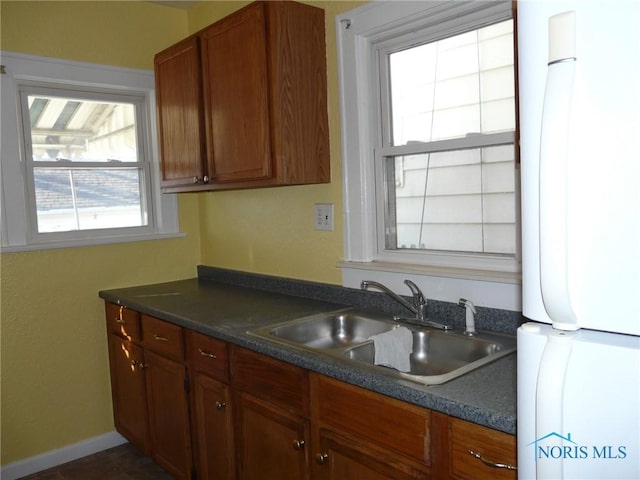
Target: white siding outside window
[428, 121]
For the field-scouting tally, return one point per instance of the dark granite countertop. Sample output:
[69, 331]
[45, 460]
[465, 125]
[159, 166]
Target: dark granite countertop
[226, 305]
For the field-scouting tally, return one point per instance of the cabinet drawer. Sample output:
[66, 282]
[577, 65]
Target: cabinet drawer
[382, 420]
[162, 337]
[493, 446]
[122, 321]
[277, 382]
[208, 355]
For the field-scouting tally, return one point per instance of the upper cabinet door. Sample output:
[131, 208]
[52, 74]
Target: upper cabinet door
[234, 58]
[180, 114]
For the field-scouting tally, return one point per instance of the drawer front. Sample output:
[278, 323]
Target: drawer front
[123, 321]
[277, 382]
[493, 446]
[208, 355]
[162, 337]
[382, 420]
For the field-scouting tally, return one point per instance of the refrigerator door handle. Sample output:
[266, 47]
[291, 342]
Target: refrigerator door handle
[550, 401]
[554, 156]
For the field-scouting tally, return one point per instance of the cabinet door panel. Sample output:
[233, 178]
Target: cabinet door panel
[345, 458]
[168, 414]
[234, 57]
[272, 442]
[180, 113]
[213, 428]
[129, 392]
[494, 446]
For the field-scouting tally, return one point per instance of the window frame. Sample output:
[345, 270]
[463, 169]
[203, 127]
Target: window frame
[361, 33]
[19, 227]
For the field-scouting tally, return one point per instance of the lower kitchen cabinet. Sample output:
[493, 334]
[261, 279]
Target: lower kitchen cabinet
[189, 399]
[272, 417]
[480, 452]
[168, 415]
[362, 434]
[273, 442]
[341, 457]
[212, 407]
[129, 392]
[148, 384]
[213, 428]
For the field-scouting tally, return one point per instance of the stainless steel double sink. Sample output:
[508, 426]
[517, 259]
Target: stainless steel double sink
[436, 357]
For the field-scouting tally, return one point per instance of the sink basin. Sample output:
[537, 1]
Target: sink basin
[441, 356]
[437, 357]
[334, 330]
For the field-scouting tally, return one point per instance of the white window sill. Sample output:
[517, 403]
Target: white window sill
[448, 284]
[89, 242]
[436, 271]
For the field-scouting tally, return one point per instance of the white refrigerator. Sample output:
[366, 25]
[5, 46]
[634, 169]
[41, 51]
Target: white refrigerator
[579, 356]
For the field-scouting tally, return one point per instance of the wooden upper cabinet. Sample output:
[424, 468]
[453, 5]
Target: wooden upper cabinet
[260, 90]
[180, 114]
[234, 56]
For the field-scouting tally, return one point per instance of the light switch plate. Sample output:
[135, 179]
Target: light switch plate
[323, 219]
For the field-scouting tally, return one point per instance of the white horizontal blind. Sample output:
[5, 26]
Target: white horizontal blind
[446, 163]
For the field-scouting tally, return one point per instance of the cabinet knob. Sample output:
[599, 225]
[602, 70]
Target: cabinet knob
[136, 363]
[298, 444]
[492, 464]
[196, 179]
[158, 338]
[205, 179]
[220, 405]
[322, 458]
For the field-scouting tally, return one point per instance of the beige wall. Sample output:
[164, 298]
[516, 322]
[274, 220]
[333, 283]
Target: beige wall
[55, 383]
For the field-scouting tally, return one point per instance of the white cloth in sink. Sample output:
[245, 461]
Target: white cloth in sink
[393, 348]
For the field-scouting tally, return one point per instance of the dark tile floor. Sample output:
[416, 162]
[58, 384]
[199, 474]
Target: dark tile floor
[124, 462]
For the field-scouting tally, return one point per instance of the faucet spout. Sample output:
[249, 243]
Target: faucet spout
[370, 283]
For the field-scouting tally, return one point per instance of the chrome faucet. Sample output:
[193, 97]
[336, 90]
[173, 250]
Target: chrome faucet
[419, 306]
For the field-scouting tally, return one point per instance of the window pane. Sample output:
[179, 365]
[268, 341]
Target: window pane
[81, 130]
[454, 87]
[86, 199]
[462, 200]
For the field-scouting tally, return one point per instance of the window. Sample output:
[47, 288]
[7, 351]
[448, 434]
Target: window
[447, 158]
[429, 120]
[82, 169]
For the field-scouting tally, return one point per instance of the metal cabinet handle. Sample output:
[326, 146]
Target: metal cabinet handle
[489, 463]
[322, 458]
[159, 338]
[220, 405]
[298, 444]
[119, 318]
[136, 363]
[207, 354]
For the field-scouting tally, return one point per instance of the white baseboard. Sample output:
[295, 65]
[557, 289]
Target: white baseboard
[59, 456]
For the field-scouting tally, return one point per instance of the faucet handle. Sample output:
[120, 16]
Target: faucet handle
[418, 297]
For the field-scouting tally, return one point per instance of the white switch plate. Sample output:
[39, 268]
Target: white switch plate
[323, 219]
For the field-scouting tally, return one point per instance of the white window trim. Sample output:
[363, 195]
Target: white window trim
[18, 67]
[452, 275]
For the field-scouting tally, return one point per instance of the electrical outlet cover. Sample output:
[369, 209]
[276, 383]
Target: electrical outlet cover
[323, 218]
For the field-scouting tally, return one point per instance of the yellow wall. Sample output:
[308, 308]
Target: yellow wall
[55, 380]
[55, 384]
[271, 230]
